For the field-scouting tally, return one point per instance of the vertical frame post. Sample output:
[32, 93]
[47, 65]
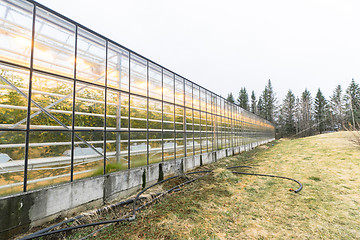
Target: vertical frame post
[147, 112]
[129, 111]
[105, 101]
[162, 114]
[27, 136]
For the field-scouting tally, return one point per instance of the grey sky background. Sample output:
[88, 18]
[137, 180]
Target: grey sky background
[228, 44]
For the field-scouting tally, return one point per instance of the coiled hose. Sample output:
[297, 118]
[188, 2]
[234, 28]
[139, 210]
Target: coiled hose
[132, 217]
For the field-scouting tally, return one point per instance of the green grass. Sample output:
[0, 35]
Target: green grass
[227, 206]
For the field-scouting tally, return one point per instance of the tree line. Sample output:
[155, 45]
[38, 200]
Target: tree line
[304, 115]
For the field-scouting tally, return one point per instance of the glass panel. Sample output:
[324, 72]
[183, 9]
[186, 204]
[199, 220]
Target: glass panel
[168, 89]
[155, 81]
[138, 113]
[196, 120]
[49, 158]
[169, 146]
[116, 110]
[54, 44]
[204, 143]
[89, 107]
[12, 155]
[196, 97]
[118, 68]
[91, 54]
[155, 148]
[188, 94]
[189, 144]
[203, 121]
[197, 141]
[138, 74]
[168, 122]
[189, 120]
[14, 89]
[155, 115]
[180, 150]
[116, 151]
[179, 118]
[203, 104]
[16, 30]
[88, 154]
[179, 90]
[55, 96]
[138, 149]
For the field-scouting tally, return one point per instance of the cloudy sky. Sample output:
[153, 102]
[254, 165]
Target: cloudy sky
[228, 44]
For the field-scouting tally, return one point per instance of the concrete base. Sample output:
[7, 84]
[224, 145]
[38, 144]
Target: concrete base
[22, 211]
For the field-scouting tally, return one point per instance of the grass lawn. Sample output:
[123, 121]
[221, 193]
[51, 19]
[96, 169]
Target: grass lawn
[227, 206]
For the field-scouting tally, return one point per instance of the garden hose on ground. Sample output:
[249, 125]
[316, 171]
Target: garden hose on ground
[132, 216]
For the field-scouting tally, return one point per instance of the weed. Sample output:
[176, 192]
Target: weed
[315, 178]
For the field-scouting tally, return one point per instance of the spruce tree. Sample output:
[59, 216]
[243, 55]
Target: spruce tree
[243, 99]
[337, 105]
[320, 111]
[253, 107]
[268, 101]
[260, 107]
[288, 114]
[353, 103]
[306, 114]
[230, 98]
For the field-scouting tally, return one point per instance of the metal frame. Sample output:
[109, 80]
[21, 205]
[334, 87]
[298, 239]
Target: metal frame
[213, 114]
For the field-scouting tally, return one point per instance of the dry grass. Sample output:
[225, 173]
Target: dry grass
[226, 206]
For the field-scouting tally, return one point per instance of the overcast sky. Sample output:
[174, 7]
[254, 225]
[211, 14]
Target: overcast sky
[224, 45]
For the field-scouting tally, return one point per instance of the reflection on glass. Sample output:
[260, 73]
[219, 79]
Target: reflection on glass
[15, 31]
[138, 81]
[155, 81]
[90, 62]
[54, 48]
[168, 86]
[117, 68]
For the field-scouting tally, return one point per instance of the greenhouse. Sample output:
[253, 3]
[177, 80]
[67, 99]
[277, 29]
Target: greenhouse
[75, 104]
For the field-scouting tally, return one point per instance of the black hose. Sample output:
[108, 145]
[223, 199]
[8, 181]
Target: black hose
[239, 167]
[34, 235]
[275, 176]
[45, 231]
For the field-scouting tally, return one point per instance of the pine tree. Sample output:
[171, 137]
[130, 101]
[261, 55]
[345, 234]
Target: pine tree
[243, 99]
[353, 103]
[230, 98]
[253, 106]
[320, 111]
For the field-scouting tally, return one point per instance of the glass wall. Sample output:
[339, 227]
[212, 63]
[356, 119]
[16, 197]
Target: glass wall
[74, 104]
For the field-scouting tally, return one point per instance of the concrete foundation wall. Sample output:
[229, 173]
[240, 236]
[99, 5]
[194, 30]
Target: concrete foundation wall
[22, 211]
